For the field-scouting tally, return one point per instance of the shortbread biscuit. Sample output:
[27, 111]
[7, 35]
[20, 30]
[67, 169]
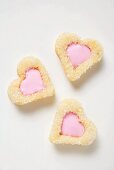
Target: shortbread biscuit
[77, 55]
[71, 126]
[33, 83]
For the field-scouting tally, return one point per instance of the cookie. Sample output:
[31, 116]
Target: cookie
[77, 55]
[33, 83]
[71, 126]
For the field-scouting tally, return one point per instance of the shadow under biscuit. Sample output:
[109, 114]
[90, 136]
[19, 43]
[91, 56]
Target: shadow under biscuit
[76, 149]
[37, 105]
[88, 75]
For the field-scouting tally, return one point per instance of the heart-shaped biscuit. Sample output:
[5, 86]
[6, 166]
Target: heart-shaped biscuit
[33, 83]
[77, 55]
[70, 125]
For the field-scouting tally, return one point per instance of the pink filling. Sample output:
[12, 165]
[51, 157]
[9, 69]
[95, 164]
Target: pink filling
[32, 83]
[78, 54]
[71, 125]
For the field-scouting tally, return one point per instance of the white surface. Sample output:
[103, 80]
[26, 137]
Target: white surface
[31, 28]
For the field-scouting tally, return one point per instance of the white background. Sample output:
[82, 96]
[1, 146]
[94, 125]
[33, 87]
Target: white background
[30, 27]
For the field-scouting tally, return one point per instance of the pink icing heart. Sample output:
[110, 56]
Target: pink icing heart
[78, 54]
[71, 125]
[32, 83]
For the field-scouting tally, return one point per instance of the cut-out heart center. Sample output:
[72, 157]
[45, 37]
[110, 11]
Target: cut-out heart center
[32, 83]
[71, 125]
[78, 53]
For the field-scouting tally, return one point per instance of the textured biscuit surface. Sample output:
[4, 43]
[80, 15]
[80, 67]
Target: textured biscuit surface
[61, 46]
[14, 92]
[71, 105]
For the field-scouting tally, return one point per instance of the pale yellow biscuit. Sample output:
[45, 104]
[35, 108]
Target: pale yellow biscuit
[61, 46]
[14, 92]
[71, 105]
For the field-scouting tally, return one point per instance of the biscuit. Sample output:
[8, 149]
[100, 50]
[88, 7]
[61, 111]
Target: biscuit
[71, 126]
[33, 83]
[77, 55]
